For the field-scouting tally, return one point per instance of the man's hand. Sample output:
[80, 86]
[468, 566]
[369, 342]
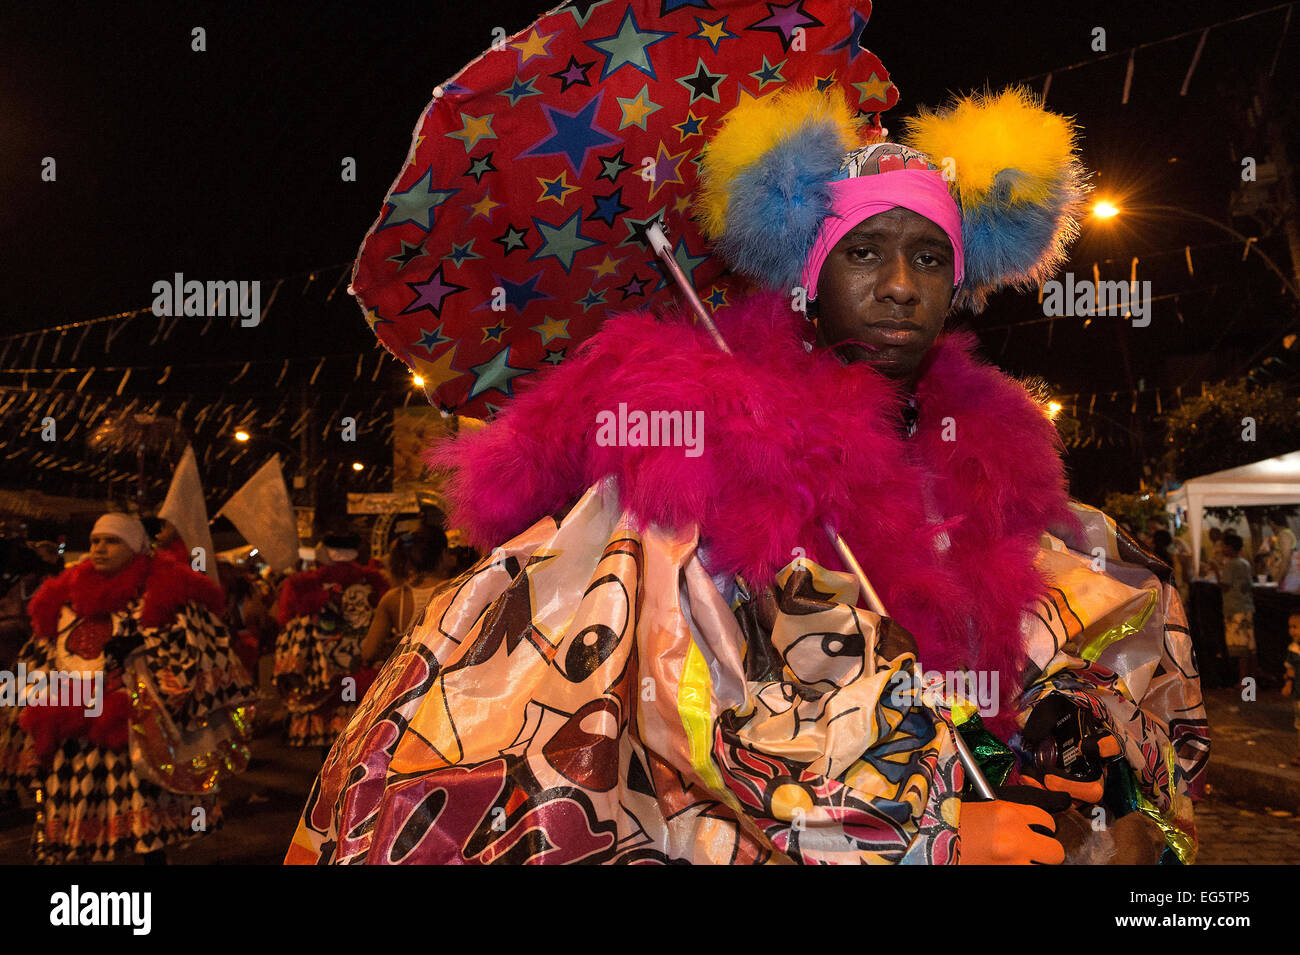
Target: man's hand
[1014, 829]
[118, 648]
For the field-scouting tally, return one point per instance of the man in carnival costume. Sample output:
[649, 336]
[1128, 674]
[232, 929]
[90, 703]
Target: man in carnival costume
[324, 614]
[132, 706]
[664, 659]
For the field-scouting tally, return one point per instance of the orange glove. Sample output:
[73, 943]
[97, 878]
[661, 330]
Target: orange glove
[1014, 829]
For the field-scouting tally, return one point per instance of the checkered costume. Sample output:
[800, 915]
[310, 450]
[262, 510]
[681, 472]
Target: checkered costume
[10, 747]
[309, 668]
[324, 615]
[178, 698]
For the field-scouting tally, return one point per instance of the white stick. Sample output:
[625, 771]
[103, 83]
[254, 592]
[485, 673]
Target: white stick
[659, 242]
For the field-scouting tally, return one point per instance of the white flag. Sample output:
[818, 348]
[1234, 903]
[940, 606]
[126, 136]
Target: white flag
[262, 513]
[188, 513]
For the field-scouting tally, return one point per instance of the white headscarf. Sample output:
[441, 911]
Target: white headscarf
[123, 526]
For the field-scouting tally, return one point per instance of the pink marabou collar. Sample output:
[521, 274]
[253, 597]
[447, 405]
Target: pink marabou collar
[794, 440]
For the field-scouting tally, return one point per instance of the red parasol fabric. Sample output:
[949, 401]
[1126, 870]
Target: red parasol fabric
[519, 218]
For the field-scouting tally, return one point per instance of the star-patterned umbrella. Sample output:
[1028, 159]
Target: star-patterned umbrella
[520, 218]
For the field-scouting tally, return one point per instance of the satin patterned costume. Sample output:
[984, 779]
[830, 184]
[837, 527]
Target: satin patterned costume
[640, 673]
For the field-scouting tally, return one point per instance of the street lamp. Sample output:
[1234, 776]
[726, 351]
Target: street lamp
[1105, 209]
[243, 437]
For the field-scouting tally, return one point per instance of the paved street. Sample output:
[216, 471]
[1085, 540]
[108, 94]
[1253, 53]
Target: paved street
[1232, 834]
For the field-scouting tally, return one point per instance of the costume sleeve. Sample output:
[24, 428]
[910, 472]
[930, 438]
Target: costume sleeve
[18, 760]
[1112, 636]
[194, 667]
[302, 671]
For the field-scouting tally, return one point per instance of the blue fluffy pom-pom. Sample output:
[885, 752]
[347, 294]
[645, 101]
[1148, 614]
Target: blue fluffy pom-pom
[777, 206]
[1015, 244]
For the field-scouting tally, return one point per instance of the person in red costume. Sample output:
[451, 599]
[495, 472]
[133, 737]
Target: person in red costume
[133, 707]
[665, 659]
[324, 615]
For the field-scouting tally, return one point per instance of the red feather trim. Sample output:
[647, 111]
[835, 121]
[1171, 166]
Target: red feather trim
[304, 594]
[109, 729]
[172, 584]
[90, 593]
[167, 585]
[50, 725]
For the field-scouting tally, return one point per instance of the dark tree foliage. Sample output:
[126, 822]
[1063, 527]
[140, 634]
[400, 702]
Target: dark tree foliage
[1228, 426]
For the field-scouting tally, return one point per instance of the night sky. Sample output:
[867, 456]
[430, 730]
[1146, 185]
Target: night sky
[225, 164]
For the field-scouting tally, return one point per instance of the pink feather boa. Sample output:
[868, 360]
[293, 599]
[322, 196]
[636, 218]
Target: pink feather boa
[792, 440]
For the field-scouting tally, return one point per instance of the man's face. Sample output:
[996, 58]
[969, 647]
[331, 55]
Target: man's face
[109, 553]
[884, 291]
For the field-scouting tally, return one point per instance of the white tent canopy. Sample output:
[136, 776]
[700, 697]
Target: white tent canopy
[1271, 481]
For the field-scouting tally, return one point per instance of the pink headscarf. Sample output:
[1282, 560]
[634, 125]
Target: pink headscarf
[923, 191]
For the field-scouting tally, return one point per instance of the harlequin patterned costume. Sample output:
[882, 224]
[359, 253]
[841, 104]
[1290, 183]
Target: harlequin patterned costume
[323, 615]
[646, 676]
[145, 772]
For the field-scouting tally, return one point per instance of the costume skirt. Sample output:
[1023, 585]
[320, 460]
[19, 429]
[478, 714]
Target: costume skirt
[92, 807]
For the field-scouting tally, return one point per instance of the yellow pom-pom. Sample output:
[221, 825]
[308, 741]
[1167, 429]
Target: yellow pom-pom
[985, 134]
[752, 128]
